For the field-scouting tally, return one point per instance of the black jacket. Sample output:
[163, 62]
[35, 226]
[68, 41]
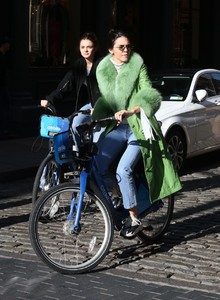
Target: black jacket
[72, 88]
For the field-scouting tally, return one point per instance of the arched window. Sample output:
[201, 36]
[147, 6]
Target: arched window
[49, 31]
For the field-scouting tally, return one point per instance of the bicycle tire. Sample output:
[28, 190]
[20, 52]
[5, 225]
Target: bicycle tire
[53, 241]
[39, 188]
[157, 220]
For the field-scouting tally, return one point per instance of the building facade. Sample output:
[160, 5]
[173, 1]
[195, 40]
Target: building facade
[45, 33]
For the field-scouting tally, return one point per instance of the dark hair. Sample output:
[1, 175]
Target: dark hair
[114, 34]
[92, 37]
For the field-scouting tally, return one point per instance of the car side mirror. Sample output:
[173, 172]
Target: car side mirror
[201, 95]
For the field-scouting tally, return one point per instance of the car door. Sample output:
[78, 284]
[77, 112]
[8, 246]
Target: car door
[207, 134]
[216, 100]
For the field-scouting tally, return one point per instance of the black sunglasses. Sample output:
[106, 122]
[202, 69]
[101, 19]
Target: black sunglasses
[123, 47]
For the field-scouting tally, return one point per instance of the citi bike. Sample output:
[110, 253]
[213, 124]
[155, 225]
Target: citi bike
[75, 233]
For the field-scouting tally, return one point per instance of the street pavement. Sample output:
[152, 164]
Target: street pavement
[185, 264]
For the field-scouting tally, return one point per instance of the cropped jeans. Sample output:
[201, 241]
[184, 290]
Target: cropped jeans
[109, 149]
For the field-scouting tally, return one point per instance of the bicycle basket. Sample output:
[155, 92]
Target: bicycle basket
[62, 147]
[85, 141]
[51, 125]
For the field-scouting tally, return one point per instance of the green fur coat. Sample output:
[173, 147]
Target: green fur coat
[124, 90]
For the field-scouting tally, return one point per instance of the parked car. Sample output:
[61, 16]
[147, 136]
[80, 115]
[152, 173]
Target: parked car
[190, 112]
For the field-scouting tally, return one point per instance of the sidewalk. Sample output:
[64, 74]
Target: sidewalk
[21, 157]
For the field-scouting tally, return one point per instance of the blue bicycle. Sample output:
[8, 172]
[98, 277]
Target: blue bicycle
[72, 226]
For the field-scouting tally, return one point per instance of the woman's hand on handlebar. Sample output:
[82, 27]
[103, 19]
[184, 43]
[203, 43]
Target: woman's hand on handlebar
[44, 103]
[122, 114]
[48, 106]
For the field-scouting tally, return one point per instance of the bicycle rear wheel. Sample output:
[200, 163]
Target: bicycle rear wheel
[157, 220]
[48, 174]
[51, 233]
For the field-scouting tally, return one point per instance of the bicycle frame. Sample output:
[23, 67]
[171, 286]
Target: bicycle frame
[90, 178]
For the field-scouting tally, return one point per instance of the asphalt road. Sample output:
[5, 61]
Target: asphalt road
[185, 264]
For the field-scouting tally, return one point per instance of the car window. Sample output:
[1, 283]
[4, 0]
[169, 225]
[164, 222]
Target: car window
[172, 88]
[216, 82]
[204, 82]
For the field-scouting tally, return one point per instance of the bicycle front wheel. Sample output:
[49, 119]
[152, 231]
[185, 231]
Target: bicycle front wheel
[156, 220]
[48, 175]
[52, 236]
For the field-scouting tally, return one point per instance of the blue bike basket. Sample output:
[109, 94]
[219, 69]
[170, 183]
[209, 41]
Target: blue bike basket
[50, 125]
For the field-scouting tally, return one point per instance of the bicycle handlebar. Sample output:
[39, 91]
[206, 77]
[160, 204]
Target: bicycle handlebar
[82, 111]
[88, 112]
[49, 107]
[52, 109]
[112, 118]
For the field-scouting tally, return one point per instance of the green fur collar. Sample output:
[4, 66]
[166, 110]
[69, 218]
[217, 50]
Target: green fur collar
[117, 88]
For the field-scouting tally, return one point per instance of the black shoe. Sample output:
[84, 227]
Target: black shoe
[131, 227]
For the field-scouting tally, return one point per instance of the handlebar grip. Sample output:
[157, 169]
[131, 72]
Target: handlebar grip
[52, 109]
[112, 118]
[49, 107]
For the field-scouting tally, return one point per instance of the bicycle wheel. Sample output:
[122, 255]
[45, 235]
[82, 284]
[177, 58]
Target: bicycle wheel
[157, 220]
[48, 174]
[52, 237]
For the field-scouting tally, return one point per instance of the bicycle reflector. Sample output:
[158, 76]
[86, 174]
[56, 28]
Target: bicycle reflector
[51, 125]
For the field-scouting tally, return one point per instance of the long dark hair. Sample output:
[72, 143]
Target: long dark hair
[114, 34]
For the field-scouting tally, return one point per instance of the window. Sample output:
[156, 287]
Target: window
[205, 82]
[216, 81]
[49, 30]
[172, 88]
[186, 33]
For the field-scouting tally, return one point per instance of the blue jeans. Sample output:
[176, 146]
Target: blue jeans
[109, 149]
[78, 120]
[81, 118]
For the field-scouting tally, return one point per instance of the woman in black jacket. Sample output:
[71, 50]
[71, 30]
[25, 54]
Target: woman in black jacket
[80, 82]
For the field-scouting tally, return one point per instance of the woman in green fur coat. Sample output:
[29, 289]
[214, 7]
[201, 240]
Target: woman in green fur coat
[127, 93]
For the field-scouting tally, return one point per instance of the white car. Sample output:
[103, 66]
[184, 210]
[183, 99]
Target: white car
[190, 112]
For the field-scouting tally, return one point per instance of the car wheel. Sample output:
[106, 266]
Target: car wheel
[177, 148]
